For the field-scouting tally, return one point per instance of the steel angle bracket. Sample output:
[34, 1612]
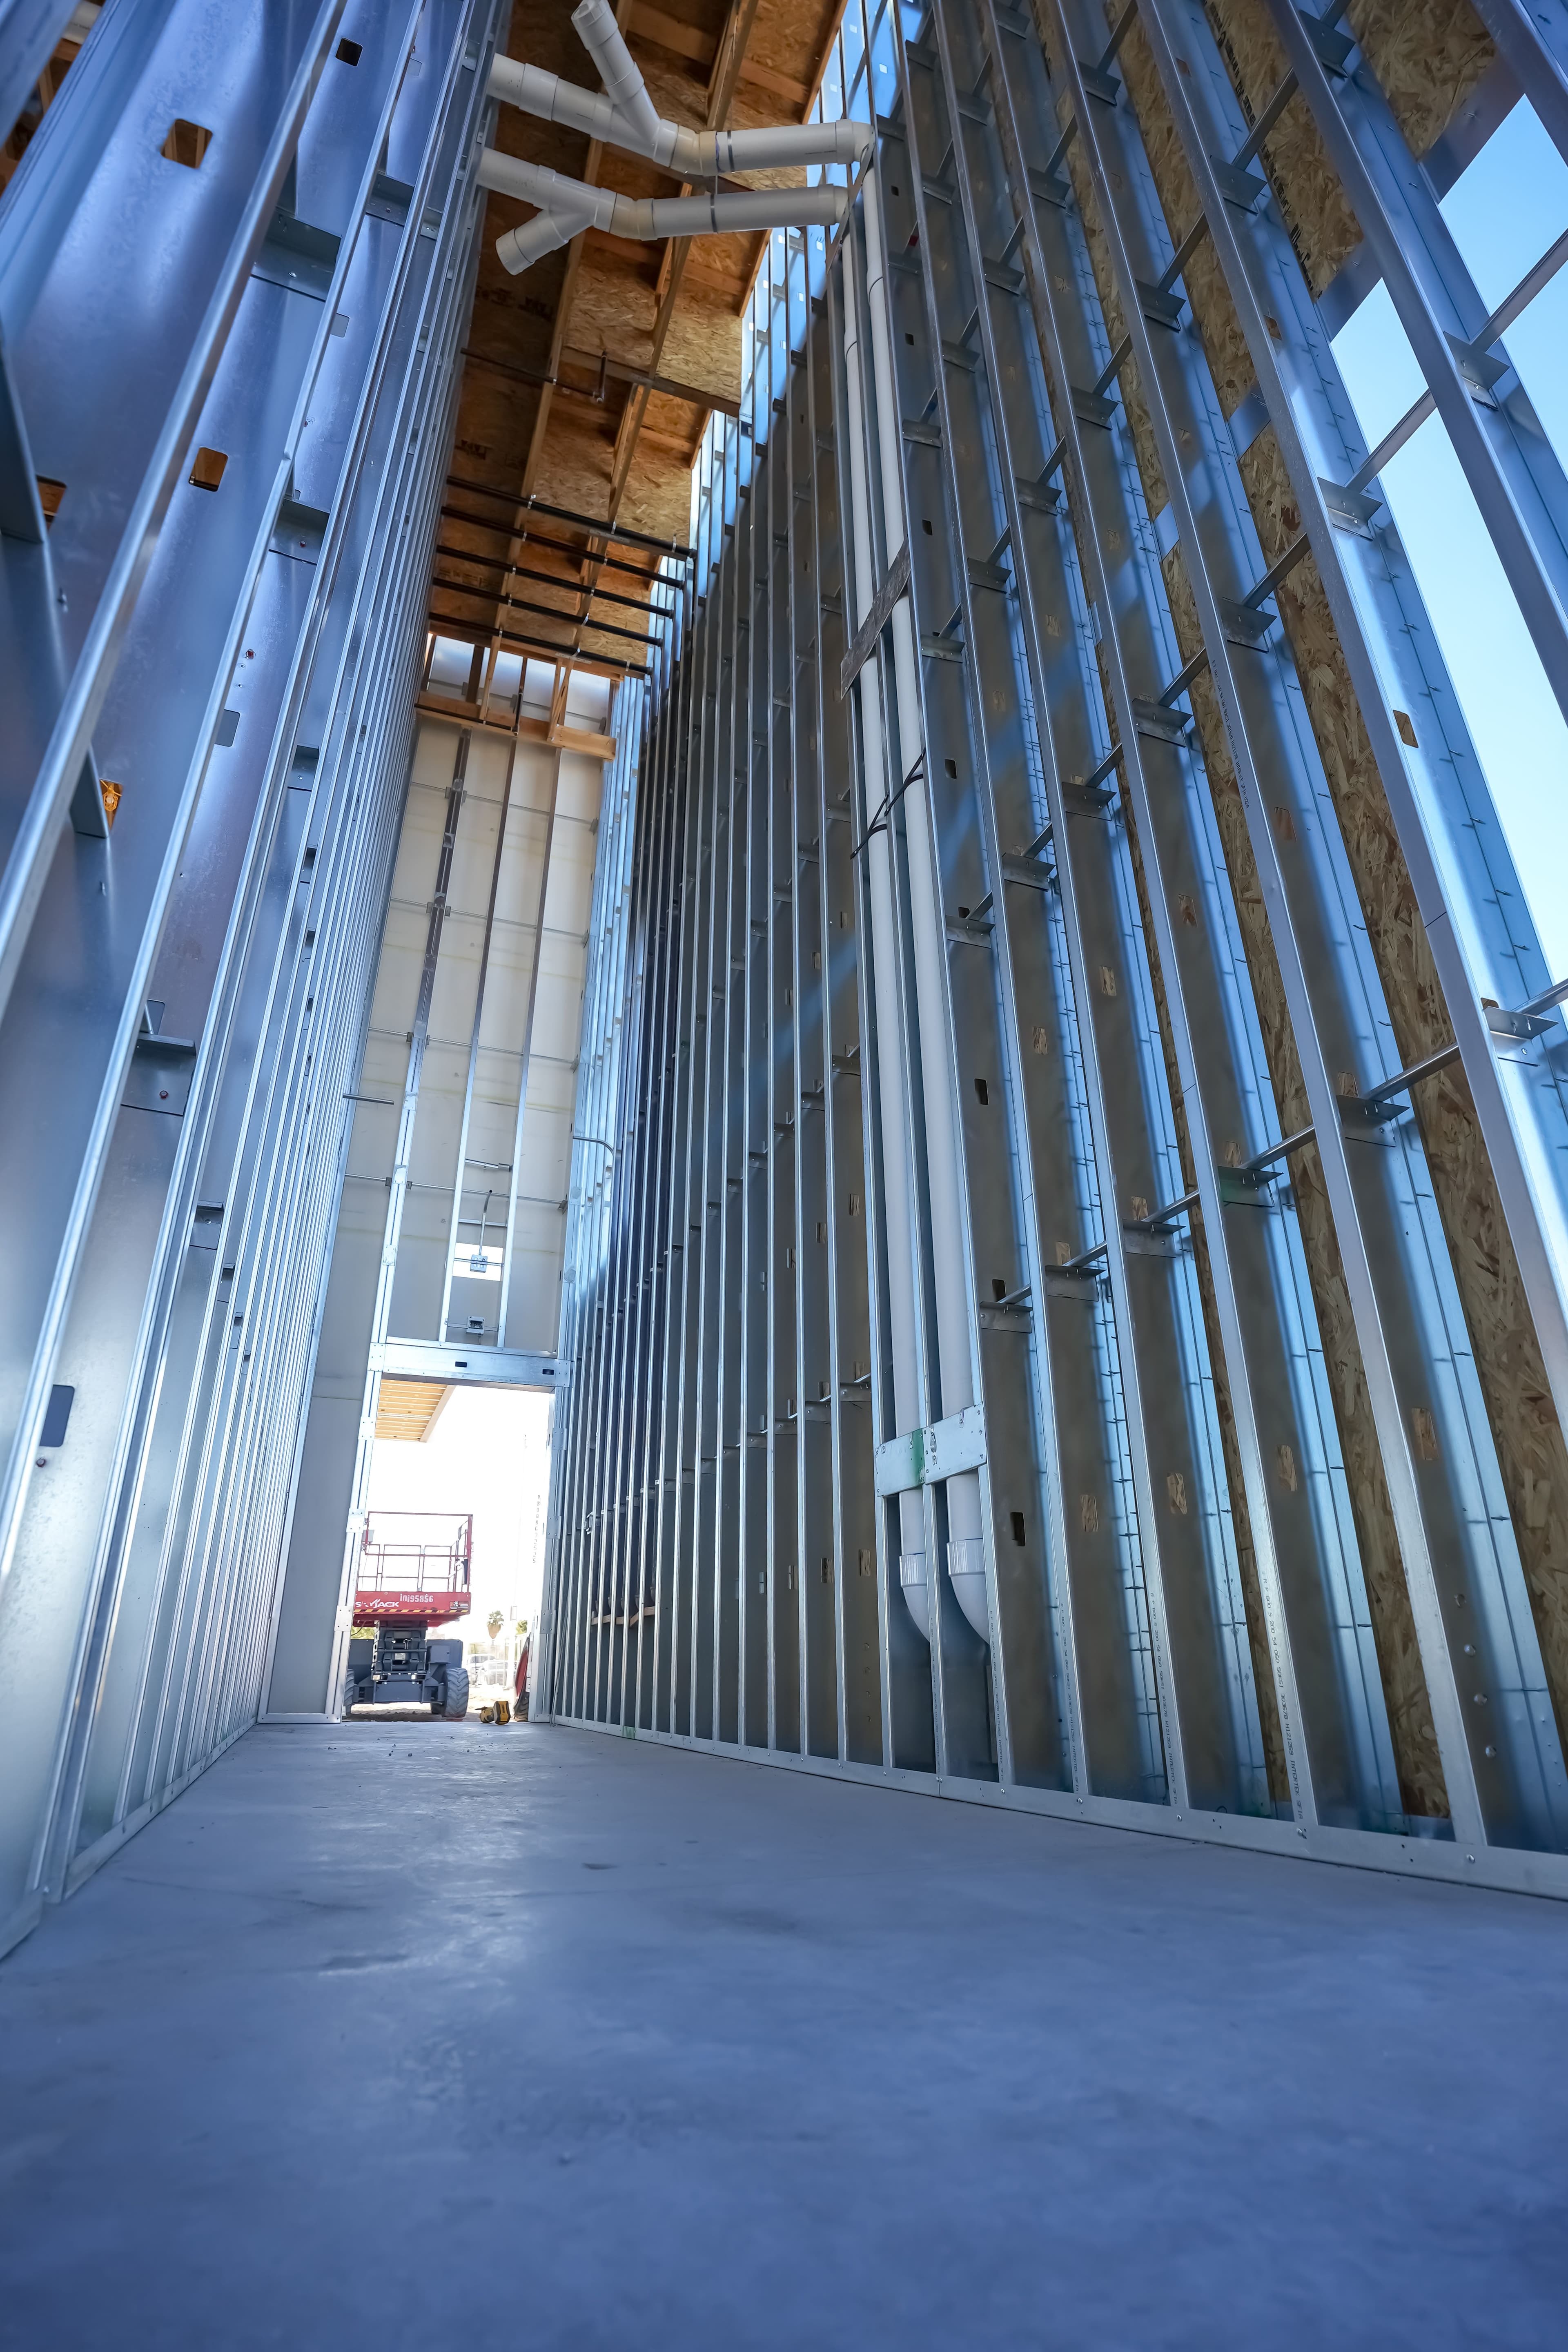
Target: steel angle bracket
[923, 1457]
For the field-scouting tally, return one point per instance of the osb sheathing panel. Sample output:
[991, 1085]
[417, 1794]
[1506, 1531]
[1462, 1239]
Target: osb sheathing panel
[704, 346]
[677, 94]
[576, 469]
[1427, 56]
[1422, 1786]
[613, 309]
[1225, 345]
[1256, 1629]
[674, 422]
[1224, 1412]
[789, 37]
[1136, 408]
[1241, 1516]
[1531, 1455]
[658, 499]
[1408, 1702]
[1312, 204]
[1531, 1451]
[1129, 383]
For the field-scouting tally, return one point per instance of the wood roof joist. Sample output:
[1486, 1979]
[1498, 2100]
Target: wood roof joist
[554, 580]
[544, 611]
[601, 528]
[542, 539]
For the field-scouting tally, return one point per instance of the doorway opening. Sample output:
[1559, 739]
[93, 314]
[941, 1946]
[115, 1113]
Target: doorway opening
[460, 1483]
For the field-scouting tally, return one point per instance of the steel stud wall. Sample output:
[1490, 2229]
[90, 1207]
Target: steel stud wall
[1066, 1298]
[186, 974]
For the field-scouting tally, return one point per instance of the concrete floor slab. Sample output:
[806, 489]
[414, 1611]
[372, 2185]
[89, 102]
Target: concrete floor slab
[382, 2035]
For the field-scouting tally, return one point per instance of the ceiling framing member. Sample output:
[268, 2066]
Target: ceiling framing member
[588, 381]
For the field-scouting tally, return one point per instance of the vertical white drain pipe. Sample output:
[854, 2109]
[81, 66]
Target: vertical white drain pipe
[903, 1263]
[951, 1270]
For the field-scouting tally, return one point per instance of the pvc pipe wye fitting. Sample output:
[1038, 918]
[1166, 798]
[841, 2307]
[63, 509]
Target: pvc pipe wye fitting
[602, 38]
[552, 191]
[625, 116]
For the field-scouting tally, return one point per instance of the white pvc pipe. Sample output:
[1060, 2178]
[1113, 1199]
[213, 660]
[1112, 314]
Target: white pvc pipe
[522, 248]
[624, 85]
[571, 205]
[625, 115]
[950, 1253]
[903, 1268]
[555, 101]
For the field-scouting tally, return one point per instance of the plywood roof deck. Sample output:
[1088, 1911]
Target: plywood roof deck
[409, 1410]
[589, 379]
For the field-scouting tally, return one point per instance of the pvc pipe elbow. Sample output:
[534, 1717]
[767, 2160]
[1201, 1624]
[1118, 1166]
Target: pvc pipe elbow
[915, 1590]
[521, 248]
[966, 1574]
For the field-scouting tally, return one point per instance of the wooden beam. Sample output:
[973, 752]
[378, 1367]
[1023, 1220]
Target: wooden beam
[688, 41]
[531, 730]
[615, 372]
[729, 59]
[817, 78]
[722, 86]
[563, 306]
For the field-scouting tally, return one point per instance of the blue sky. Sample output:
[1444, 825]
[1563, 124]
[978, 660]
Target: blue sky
[1503, 213]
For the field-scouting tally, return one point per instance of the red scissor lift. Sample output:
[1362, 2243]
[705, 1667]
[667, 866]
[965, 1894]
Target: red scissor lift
[412, 1574]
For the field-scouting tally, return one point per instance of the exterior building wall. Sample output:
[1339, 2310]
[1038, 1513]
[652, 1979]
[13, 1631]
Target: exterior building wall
[234, 274]
[1076, 1306]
